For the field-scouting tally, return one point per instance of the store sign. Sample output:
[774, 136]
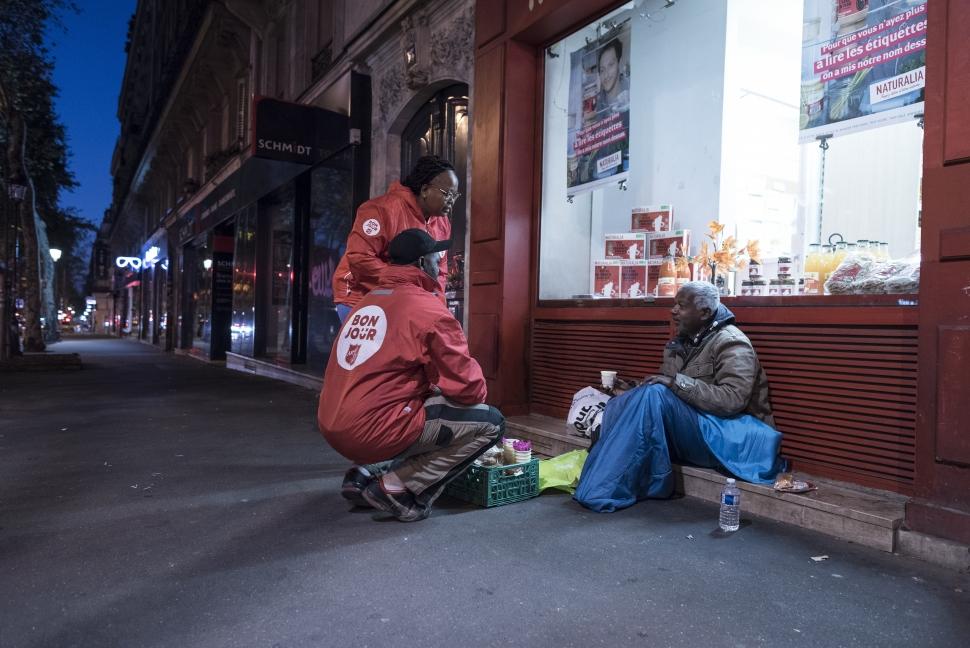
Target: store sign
[297, 133]
[136, 263]
[863, 65]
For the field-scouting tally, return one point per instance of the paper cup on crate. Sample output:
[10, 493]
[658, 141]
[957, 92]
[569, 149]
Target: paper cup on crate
[508, 450]
[607, 378]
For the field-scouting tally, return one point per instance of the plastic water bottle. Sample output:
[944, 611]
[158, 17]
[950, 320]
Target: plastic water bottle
[730, 518]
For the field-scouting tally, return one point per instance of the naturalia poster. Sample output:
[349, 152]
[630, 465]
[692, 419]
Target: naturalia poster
[863, 65]
[598, 139]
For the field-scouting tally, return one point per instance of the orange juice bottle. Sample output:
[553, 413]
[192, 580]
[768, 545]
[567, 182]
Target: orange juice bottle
[813, 265]
[667, 281]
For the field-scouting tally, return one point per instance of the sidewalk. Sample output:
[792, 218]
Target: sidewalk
[153, 500]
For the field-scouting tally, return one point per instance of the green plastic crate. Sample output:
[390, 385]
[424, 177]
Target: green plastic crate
[494, 485]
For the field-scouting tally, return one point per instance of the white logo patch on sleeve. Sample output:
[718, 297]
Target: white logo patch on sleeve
[371, 227]
[361, 337]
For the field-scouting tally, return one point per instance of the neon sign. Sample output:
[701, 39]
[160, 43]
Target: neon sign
[136, 263]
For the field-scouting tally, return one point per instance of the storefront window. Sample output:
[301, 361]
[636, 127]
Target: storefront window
[201, 292]
[244, 284]
[331, 217]
[278, 212]
[758, 130]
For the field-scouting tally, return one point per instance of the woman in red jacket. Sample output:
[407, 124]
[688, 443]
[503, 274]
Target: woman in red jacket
[423, 200]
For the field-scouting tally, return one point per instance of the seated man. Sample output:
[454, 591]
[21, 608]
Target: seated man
[709, 407]
[401, 386]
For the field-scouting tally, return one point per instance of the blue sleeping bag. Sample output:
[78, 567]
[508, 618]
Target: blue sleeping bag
[648, 427]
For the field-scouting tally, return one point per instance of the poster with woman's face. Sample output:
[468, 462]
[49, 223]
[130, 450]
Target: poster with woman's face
[598, 140]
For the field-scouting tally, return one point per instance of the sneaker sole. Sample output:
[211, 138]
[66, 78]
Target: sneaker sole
[354, 496]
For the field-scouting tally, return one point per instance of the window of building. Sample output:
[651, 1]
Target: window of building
[277, 216]
[792, 126]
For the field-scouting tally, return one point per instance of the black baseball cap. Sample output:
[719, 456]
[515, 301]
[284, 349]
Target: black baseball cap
[412, 244]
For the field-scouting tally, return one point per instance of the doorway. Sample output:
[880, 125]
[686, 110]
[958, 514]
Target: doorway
[440, 127]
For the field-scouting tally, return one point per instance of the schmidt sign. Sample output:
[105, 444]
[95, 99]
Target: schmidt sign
[297, 133]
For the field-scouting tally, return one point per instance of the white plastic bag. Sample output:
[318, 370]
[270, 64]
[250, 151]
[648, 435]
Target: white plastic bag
[586, 411]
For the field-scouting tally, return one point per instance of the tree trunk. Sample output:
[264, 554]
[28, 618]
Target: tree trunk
[16, 145]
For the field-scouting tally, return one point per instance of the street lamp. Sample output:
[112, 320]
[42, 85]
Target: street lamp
[56, 255]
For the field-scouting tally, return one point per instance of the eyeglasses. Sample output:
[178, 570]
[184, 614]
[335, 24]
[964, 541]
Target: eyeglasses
[449, 195]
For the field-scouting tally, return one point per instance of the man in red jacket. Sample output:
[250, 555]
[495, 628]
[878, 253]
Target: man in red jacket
[401, 386]
[422, 200]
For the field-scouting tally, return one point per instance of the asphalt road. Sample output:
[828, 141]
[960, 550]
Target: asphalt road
[153, 500]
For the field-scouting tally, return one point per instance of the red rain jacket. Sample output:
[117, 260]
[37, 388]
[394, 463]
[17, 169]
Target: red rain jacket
[398, 342]
[378, 221]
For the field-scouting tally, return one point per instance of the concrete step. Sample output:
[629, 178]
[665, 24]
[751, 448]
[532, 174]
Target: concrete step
[865, 516]
[297, 375]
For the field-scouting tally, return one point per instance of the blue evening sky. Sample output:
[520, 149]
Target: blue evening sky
[89, 63]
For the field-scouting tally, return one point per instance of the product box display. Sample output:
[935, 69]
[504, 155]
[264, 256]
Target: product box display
[627, 245]
[652, 219]
[633, 279]
[606, 279]
[661, 244]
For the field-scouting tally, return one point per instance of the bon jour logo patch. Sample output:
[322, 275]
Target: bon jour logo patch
[361, 337]
[371, 227]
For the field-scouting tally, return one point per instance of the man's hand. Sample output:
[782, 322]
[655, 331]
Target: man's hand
[666, 381]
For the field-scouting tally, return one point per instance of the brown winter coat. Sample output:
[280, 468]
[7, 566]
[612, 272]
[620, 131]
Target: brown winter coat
[721, 375]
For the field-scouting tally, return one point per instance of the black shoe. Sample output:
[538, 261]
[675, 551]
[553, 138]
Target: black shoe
[401, 505]
[355, 481]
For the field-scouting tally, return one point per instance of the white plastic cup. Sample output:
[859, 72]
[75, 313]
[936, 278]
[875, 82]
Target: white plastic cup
[523, 456]
[607, 378]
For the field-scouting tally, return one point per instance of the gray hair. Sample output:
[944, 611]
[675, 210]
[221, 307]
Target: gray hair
[705, 294]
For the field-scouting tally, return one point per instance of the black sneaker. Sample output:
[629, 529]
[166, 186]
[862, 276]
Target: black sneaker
[355, 481]
[400, 505]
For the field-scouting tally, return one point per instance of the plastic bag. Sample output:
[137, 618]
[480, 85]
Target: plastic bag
[863, 275]
[853, 267]
[907, 279]
[586, 411]
[562, 472]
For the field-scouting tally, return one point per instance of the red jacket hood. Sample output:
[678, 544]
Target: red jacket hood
[397, 275]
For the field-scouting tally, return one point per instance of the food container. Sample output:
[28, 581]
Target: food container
[785, 265]
[754, 270]
[746, 289]
[759, 288]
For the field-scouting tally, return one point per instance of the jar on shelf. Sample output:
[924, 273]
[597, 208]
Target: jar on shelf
[785, 265]
[746, 287]
[884, 251]
[754, 270]
[759, 287]
[774, 287]
[786, 287]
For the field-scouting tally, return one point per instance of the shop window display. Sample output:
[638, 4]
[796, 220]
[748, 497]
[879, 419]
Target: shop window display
[773, 148]
[278, 214]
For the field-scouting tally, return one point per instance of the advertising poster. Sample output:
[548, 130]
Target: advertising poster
[598, 139]
[863, 65]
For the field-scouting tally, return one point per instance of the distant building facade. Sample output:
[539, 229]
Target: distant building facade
[250, 133]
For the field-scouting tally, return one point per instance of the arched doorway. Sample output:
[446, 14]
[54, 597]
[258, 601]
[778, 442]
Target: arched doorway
[440, 127]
